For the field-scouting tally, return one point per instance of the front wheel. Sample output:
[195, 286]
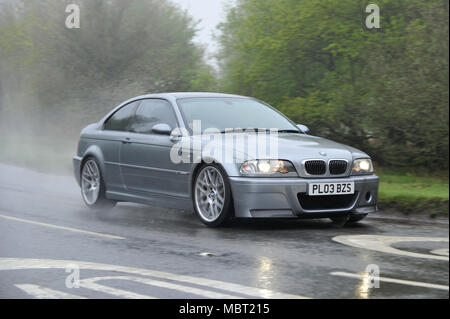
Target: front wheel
[93, 187]
[212, 196]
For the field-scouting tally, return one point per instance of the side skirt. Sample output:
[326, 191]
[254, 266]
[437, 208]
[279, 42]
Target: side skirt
[159, 200]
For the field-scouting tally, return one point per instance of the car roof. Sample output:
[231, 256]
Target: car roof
[185, 95]
[173, 96]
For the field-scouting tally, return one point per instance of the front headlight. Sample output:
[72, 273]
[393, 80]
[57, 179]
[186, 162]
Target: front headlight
[362, 166]
[271, 168]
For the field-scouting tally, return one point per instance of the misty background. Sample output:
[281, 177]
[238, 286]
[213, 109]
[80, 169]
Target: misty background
[382, 90]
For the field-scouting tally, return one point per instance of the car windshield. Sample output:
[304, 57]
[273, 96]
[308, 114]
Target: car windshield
[226, 114]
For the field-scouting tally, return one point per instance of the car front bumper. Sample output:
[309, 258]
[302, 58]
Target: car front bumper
[279, 197]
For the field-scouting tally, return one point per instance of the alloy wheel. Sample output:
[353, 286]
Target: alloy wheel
[90, 182]
[210, 193]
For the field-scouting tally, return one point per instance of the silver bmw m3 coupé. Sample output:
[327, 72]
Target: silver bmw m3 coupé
[223, 156]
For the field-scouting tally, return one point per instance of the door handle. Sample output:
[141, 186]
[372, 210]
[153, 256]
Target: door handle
[126, 140]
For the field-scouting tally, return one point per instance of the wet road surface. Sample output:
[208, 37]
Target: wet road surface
[136, 251]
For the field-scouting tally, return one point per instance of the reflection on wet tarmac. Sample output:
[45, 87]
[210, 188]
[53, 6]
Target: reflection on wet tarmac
[265, 273]
[363, 290]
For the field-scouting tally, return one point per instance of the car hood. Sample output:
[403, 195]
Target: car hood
[301, 147]
[288, 146]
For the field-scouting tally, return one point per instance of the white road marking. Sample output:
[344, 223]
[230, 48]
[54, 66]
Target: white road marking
[19, 263]
[383, 244]
[91, 283]
[61, 227]
[442, 252]
[392, 280]
[46, 293]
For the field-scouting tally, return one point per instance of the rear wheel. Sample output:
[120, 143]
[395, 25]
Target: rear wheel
[212, 196]
[92, 186]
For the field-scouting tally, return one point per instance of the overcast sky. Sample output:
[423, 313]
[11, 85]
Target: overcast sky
[211, 13]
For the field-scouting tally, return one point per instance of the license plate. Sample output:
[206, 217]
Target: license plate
[320, 189]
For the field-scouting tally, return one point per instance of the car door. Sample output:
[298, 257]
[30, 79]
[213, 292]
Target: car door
[145, 157]
[109, 140]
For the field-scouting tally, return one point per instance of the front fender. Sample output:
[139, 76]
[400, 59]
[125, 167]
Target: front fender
[96, 152]
[91, 151]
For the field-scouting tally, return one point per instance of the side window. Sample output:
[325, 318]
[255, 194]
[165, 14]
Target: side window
[151, 112]
[119, 121]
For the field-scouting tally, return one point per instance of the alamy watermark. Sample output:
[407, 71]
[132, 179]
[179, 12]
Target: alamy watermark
[373, 19]
[73, 19]
[227, 146]
[373, 273]
[73, 279]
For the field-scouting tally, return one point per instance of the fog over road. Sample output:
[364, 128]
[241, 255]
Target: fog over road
[136, 251]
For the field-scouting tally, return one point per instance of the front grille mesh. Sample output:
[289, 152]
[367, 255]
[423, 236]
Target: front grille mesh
[337, 167]
[315, 167]
[326, 202]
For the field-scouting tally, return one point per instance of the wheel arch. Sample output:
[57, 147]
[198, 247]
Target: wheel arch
[197, 168]
[95, 152]
[195, 171]
[228, 210]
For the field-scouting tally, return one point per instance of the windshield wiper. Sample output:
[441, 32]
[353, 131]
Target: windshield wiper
[252, 129]
[288, 131]
[246, 130]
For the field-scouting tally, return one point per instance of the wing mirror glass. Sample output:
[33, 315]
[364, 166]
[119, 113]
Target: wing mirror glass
[162, 129]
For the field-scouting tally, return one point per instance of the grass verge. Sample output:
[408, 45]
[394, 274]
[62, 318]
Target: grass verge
[411, 193]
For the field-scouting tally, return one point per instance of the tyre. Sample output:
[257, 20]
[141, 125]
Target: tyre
[212, 198]
[93, 187]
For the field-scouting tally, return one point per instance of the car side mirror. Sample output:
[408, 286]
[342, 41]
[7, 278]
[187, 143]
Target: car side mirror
[162, 129]
[303, 128]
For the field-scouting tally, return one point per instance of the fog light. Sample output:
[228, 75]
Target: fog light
[368, 197]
